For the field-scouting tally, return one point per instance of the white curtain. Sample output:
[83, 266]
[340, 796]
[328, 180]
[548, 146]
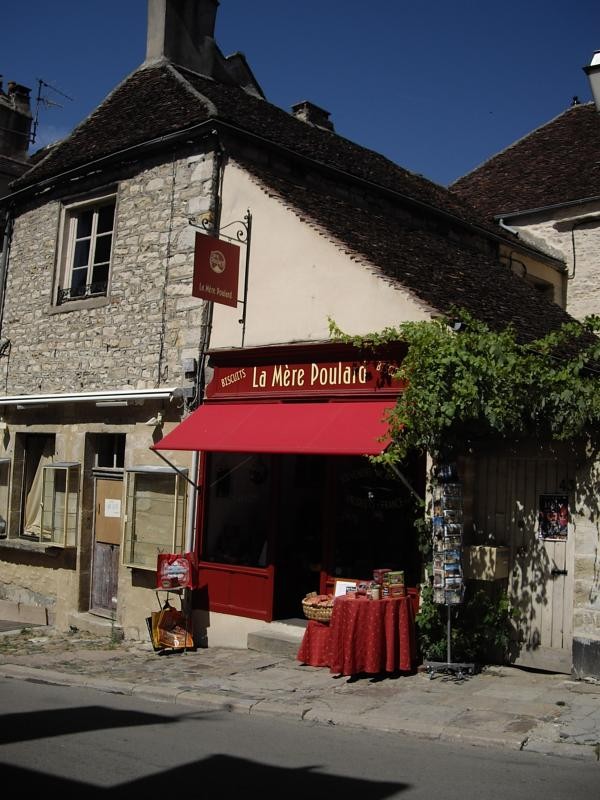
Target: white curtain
[33, 503]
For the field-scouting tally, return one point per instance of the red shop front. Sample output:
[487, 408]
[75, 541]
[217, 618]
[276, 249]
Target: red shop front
[288, 499]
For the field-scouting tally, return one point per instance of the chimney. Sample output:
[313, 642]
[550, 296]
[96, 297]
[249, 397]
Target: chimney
[182, 31]
[313, 115]
[593, 73]
[15, 129]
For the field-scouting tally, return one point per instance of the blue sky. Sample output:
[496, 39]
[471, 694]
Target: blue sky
[436, 86]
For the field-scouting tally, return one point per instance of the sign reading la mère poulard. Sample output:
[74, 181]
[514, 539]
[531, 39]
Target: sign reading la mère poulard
[302, 379]
[216, 270]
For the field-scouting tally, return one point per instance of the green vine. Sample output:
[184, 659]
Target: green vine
[480, 627]
[481, 383]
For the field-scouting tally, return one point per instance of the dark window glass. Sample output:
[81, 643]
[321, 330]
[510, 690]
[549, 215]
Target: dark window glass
[106, 215]
[102, 251]
[78, 281]
[82, 254]
[100, 274]
[237, 511]
[84, 224]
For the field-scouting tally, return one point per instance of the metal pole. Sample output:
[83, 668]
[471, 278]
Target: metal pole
[448, 634]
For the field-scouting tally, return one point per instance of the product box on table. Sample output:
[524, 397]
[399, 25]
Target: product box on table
[396, 576]
[379, 574]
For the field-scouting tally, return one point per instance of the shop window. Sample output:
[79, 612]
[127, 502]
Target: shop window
[85, 250]
[236, 522]
[155, 515]
[33, 452]
[4, 495]
[374, 521]
[59, 504]
[110, 451]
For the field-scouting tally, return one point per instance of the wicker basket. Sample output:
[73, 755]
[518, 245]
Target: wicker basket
[322, 613]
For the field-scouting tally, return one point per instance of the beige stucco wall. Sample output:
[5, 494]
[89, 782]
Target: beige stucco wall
[300, 277]
[538, 272]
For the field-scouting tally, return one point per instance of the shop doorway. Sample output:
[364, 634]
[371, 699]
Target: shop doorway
[107, 545]
[108, 519]
[298, 540]
[276, 527]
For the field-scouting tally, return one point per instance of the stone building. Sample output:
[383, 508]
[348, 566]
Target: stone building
[111, 340]
[545, 188]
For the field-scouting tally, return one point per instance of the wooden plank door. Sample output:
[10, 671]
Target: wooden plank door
[506, 501]
[107, 544]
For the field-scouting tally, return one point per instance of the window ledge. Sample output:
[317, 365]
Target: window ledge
[78, 305]
[33, 547]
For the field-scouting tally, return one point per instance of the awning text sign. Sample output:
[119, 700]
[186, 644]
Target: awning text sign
[216, 270]
[304, 379]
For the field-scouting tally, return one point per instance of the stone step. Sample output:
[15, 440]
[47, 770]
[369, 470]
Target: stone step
[96, 625]
[281, 638]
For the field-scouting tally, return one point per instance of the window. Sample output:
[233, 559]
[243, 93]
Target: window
[85, 250]
[60, 501]
[155, 515]
[236, 523]
[110, 451]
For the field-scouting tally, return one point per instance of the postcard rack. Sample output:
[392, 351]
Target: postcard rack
[448, 580]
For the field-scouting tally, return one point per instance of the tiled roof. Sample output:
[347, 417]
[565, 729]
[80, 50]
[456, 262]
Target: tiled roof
[438, 271]
[157, 101]
[557, 163]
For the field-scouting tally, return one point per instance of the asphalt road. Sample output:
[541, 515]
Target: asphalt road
[71, 742]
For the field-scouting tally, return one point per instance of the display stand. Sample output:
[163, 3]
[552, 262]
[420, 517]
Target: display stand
[448, 583]
[175, 647]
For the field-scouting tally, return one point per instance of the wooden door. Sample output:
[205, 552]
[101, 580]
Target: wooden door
[506, 506]
[107, 544]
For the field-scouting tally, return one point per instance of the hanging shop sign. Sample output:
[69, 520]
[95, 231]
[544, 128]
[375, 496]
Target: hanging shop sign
[216, 270]
[305, 378]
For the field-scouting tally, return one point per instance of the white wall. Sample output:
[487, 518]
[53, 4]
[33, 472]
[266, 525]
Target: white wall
[299, 278]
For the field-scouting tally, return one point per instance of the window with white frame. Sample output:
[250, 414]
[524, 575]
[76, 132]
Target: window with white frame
[85, 249]
[155, 515]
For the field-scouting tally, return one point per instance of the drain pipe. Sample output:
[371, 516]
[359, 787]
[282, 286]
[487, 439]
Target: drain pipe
[192, 509]
[506, 227]
[6, 239]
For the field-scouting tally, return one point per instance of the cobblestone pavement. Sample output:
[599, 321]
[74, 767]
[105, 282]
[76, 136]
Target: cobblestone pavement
[499, 707]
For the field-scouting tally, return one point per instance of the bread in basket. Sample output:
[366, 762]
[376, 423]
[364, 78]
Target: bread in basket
[318, 606]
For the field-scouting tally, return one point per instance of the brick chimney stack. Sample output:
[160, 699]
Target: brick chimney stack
[182, 31]
[313, 115]
[15, 129]
[593, 73]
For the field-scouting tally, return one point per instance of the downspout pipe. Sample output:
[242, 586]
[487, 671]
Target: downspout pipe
[192, 509]
[6, 241]
[508, 228]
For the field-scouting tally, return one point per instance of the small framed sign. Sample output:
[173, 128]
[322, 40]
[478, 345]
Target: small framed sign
[553, 517]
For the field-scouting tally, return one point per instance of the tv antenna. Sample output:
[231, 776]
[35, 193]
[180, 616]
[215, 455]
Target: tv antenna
[46, 102]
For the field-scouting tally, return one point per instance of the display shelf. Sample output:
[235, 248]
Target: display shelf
[185, 617]
[448, 576]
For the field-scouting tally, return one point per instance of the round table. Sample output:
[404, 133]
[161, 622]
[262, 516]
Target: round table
[363, 636]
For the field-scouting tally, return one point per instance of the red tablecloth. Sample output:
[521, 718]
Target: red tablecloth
[371, 636]
[314, 649]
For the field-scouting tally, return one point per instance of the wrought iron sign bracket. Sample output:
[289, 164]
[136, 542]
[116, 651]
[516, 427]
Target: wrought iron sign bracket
[241, 234]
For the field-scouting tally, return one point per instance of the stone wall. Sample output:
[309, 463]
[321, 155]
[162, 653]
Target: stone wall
[138, 338]
[555, 230]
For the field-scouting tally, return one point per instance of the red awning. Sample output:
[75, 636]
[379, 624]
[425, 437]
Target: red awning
[348, 428]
